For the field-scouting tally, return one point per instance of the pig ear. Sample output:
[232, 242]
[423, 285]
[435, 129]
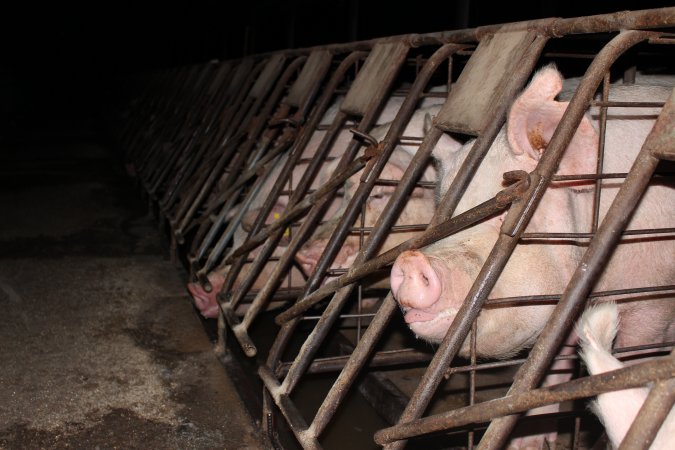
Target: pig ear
[534, 117]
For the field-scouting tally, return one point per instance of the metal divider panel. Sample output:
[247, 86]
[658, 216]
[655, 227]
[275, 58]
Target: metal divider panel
[241, 72]
[480, 85]
[311, 75]
[268, 75]
[375, 77]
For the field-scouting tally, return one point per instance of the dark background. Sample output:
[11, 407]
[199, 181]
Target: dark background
[62, 59]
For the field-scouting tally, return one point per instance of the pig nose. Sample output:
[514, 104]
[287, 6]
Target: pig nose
[308, 259]
[414, 282]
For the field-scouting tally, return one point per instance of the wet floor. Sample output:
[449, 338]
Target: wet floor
[99, 346]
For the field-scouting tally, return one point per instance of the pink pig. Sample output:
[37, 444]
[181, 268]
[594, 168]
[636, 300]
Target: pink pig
[617, 410]
[430, 284]
[206, 301]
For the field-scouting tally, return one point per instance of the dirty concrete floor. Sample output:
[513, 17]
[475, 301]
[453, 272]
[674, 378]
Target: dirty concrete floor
[99, 346]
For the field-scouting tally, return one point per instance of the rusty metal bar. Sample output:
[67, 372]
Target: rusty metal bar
[601, 23]
[380, 72]
[183, 217]
[394, 206]
[299, 208]
[567, 310]
[381, 359]
[361, 269]
[299, 146]
[293, 417]
[628, 377]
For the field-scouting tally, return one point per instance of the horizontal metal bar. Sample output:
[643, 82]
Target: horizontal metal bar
[628, 377]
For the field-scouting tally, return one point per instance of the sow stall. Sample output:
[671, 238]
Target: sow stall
[250, 163]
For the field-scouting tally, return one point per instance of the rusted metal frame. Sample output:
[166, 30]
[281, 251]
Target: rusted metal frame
[229, 140]
[236, 109]
[159, 127]
[181, 124]
[204, 141]
[380, 359]
[240, 329]
[236, 122]
[601, 153]
[406, 185]
[258, 223]
[318, 334]
[209, 225]
[539, 299]
[293, 417]
[287, 329]
[651, 416]
[296, 155]
[601, 23]
[595, 258]
[257, 163]
[633, 376]
[195, 256]
[361, 269]
[299, 208]
[263, 143]
[501, 251]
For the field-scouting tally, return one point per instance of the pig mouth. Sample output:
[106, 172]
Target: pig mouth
[413, 315]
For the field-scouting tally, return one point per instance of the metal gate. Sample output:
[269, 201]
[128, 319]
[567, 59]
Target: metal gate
[269, 164]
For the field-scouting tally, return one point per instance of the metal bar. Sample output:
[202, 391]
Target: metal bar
[293, 417]
[624, 378]
[361, 269]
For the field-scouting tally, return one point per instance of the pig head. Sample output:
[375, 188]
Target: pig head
[430, 284]
[419, 207]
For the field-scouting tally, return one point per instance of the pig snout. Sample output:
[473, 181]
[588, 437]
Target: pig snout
[415, 284]
[308, 256]
[206, 302]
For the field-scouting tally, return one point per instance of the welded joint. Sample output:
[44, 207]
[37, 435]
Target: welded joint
[519, 181]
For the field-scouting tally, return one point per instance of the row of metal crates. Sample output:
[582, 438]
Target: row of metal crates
[291, 182]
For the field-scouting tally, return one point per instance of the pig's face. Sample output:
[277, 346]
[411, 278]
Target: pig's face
[419, 207]
[430, 285]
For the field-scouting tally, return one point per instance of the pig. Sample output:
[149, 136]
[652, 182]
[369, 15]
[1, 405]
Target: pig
[617, 410]
[430, 284]
[206, 301]
[419, 208]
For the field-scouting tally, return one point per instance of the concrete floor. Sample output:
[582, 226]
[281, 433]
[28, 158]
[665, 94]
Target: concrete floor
[100, 348]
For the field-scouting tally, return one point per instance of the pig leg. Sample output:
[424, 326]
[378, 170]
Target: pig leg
[597, 329]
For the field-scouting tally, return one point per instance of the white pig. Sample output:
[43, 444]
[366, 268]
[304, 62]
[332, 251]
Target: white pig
[431, 284]
[617, 410]
[206, 301]
[418, 210]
